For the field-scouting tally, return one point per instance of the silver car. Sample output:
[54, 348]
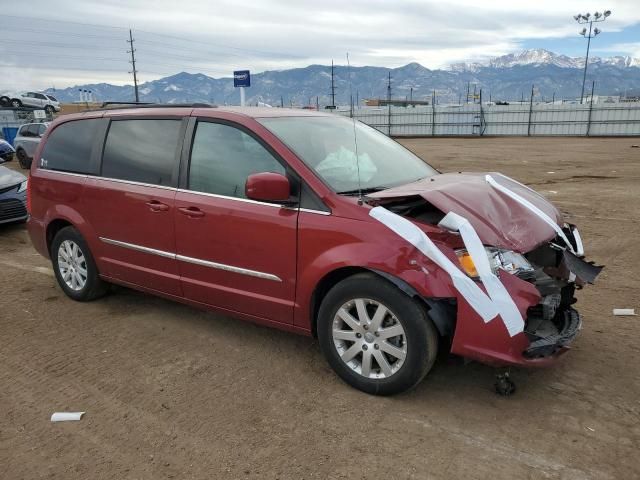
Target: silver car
[40, 100]
[27, 141]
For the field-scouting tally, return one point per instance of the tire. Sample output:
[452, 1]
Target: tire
[15, 103]
[61, 250]
[409, 355]
[23, 159]
[48, 109]
[4, 101]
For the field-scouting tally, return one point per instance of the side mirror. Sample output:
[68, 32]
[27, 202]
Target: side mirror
[268, 187]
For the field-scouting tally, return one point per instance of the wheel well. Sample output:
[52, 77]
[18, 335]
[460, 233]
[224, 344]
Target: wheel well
[441, 311]
[53, 228]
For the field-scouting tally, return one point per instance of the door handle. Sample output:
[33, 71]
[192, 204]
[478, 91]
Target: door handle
[156, 206]
[193, 212]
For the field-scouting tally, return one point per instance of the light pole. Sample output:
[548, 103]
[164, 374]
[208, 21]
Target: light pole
[593, 32]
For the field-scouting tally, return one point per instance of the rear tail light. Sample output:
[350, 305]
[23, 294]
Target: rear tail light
[29, 195]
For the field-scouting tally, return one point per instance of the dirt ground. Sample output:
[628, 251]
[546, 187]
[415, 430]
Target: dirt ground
[173, 392]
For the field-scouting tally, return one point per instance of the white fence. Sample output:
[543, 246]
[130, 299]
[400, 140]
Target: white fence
[522, 119]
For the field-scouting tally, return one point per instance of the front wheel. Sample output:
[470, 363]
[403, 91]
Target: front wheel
[74, 266]
[48, 109]
[15, 103]
[375, 337]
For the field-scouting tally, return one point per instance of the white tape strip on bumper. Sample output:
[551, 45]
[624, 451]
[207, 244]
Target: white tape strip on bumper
[498, 302]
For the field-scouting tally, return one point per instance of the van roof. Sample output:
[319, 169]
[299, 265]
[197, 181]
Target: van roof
[154, 110]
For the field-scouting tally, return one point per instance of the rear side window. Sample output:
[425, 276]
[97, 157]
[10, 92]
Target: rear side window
[69, 146]
[143, 151]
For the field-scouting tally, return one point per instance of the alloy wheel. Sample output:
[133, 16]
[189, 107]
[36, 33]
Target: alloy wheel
[72, 265]
[369, 338]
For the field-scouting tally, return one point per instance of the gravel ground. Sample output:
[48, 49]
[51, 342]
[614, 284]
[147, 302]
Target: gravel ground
[173, 392]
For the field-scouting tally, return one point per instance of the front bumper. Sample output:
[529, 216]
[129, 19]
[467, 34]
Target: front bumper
[13, 207]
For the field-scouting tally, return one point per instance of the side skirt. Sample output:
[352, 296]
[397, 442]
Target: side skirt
[203, 306]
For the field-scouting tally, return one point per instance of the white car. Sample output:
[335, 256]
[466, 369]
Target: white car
[31, 99]
[27, 141]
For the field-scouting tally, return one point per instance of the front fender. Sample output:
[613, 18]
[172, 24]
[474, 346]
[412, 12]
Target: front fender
[371, 246]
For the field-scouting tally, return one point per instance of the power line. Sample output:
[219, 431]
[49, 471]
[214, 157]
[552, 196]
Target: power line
[175, 37]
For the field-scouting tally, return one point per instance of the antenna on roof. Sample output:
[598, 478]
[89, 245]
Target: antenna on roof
[355, 135]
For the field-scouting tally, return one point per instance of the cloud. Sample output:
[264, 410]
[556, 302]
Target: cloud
[216, 37]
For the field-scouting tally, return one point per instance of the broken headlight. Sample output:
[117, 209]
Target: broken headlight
[499, 259]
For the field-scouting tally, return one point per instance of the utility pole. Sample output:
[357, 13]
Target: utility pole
[467, 100]
[389, 89]
[333, 87]
[389, 104]
[133, 63]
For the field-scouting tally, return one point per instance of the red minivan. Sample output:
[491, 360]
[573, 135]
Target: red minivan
[311, 223]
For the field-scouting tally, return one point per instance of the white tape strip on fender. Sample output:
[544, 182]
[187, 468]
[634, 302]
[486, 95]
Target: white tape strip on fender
[495, 289]
[484, 305]
[532, 207]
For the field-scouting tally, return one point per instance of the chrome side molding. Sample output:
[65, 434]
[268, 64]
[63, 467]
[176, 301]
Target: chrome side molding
[194, 261]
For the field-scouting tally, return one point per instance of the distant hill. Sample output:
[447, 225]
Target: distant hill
[502, 78]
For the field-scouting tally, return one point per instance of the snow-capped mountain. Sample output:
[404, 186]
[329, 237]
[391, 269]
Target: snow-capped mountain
[503, 78]
[543, 57]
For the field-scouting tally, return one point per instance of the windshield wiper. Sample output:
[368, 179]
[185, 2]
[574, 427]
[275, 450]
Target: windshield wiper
[364, 191]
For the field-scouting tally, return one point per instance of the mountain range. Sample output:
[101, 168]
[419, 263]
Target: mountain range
[508, 77]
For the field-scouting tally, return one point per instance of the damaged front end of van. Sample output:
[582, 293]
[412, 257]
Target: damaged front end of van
[523, 264]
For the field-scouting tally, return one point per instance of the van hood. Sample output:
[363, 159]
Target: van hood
[10, 177]
[499, 220]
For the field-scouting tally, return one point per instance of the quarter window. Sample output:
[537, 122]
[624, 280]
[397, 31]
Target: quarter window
[142, 151]
[69, 146]
[222, 157]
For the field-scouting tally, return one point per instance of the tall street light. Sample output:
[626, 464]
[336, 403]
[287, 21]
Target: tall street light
[593, 32]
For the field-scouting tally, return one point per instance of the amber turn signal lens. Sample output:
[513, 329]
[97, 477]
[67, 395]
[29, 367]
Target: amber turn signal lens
[467, 264]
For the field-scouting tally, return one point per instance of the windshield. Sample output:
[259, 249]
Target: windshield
[327, 145]
[52, 98]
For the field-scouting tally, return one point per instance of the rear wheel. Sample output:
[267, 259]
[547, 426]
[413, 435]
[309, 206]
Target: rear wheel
[4, 101]
[375, 337]
[23, 159]
[74, 266]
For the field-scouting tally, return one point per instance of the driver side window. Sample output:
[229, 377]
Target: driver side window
[222, 157]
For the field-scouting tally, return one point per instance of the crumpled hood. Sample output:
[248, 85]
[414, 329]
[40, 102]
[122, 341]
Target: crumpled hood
[9, 177]
[499, 220]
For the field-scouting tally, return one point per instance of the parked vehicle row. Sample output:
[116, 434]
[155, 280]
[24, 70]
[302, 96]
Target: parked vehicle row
[310, 223]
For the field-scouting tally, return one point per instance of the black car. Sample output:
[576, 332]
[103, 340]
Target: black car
[13, 196]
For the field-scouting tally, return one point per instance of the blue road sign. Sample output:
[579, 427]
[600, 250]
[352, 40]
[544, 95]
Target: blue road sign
[241, 78]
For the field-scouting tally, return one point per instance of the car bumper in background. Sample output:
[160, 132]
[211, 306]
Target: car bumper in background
[13, 207]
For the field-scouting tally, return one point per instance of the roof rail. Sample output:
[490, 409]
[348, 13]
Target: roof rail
[119, 105]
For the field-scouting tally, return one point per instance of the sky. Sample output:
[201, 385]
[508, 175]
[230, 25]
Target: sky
[61, 43]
